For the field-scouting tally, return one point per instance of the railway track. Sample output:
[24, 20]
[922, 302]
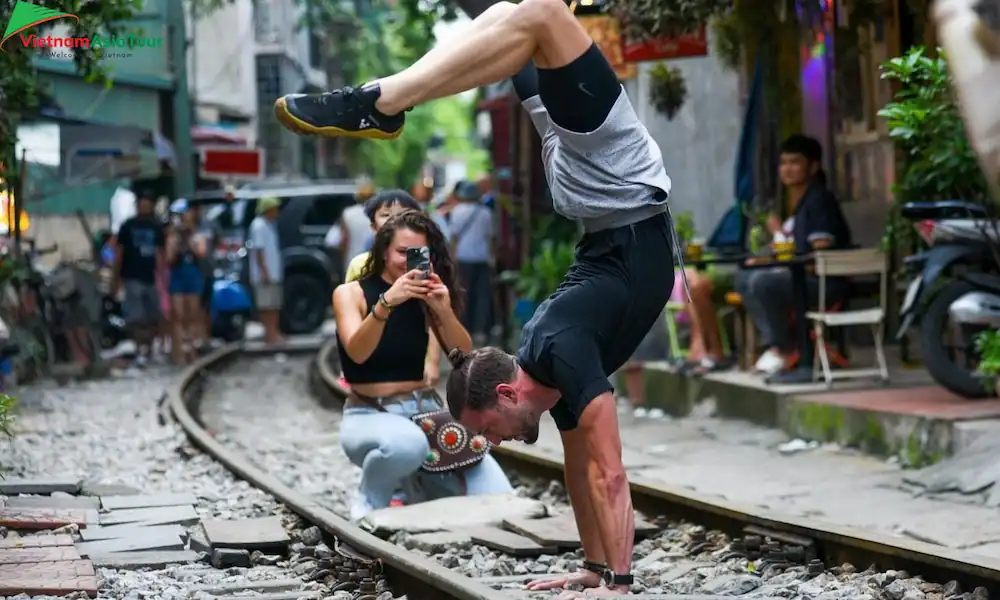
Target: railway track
[369, 566]
[727, 538]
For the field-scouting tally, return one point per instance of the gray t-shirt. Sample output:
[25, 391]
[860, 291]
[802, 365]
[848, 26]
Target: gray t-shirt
[610, 177]
[264, 238]
[472, 232]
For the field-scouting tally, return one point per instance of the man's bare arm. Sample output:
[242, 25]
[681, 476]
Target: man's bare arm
[608, 483]
[575, 453]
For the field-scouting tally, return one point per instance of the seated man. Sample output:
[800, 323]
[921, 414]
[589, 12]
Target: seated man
[816, 223]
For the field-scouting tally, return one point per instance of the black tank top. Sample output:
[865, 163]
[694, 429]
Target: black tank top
[400, 353]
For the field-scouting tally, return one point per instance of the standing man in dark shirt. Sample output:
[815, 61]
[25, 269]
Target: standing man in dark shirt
[140, 253]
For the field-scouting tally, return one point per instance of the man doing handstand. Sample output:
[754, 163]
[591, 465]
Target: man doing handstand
[604, 170]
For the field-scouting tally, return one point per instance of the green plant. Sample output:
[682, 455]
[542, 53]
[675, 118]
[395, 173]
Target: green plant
[667, 89]
[926, 128]
[684, 225]
[988, 345]
[641, 19]
[541, 275]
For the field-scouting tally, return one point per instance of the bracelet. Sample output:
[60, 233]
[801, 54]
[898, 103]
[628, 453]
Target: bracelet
[384, 302]
[375, 315]
[594, 567]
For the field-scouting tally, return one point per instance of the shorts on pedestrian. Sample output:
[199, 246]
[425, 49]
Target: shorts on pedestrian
[142, 303]
[186, 280]
[268, 296]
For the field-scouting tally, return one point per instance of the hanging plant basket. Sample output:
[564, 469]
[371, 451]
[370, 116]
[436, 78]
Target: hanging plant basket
[667, 90]
[643, 19]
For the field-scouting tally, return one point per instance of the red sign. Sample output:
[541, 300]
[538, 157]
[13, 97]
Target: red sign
[242, 163]
[686, 46]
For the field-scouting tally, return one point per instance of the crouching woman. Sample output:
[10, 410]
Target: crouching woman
[384, 323]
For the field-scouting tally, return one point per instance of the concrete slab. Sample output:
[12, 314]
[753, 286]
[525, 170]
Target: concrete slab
[84, 502]
[42, 518]
[37, 541]
[108, 489]
[94, 534]
[21, 556]
[48, 579]
[136, 543]
[166, 515]
[154, 559]
[271, 585]
[147, 501]
[560, 531]
[509, 542]
[13, 487]
[453, 513]
[262, 534]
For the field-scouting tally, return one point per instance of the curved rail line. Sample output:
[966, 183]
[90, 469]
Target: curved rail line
[406, 573]
[830, 543]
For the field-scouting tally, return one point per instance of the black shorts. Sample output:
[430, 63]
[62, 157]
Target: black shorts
[612, 295]
[578, 96]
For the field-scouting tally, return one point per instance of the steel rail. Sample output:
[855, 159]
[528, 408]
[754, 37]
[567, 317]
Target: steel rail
[831, 543]
[418, 577]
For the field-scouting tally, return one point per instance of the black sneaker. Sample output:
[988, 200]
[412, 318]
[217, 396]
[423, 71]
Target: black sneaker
[347, 112]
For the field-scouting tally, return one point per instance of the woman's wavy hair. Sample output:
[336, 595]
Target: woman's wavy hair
[418, 222]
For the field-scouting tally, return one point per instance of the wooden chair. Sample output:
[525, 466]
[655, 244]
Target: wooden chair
[746, 333]
[849, 263]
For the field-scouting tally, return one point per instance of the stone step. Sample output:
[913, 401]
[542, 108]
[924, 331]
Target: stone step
[139, 541]
[82, 502]
[164, 515]
[45, 518]
[43, 486]
[147, 501]
[263, 534]
[112, 532]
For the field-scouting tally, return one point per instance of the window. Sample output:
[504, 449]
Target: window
[326, 210]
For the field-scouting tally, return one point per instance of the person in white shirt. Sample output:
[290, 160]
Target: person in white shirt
[472, 238]
[352, 233]
[267, 267]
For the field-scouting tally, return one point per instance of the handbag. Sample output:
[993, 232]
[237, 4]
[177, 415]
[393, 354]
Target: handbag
[451, 446]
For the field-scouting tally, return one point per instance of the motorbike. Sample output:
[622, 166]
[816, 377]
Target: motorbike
[230, 307]
[960, 237]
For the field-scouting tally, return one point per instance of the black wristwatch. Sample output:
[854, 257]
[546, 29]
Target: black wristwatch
[594, 567]
[613, 579]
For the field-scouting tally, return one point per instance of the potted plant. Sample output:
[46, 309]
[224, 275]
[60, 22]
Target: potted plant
[926, 129]
[667, 89]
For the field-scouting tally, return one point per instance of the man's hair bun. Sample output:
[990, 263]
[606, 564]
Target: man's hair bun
[457, 358]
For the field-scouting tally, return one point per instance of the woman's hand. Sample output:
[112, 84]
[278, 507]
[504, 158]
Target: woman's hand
[583, 577]
[410, 285]
[438, 297]
[773, 224]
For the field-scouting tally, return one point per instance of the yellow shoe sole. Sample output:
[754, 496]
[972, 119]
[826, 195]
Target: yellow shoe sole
[297, 125]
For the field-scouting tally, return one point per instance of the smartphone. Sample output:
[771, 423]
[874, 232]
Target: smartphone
[419, 258]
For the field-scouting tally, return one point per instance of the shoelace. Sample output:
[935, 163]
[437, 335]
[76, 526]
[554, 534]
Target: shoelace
[346, 92]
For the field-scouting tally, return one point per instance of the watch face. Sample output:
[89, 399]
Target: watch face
[608, 577]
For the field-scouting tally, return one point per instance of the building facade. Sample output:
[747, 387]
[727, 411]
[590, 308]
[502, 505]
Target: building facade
[288, 58]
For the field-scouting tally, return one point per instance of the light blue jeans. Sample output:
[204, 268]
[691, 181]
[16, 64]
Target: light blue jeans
[390, 448]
